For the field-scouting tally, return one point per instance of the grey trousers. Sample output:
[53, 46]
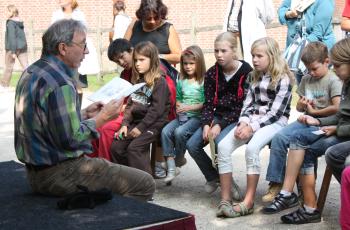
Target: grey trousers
[94, 173]
[338, 157]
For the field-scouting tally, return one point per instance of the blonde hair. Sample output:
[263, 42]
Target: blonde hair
[277, 65]
[230, 38]
[149, 50]
[340, 52]
[195, 53]
[13, 10]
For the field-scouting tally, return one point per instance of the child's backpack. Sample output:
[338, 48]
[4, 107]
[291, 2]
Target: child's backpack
[171, 76]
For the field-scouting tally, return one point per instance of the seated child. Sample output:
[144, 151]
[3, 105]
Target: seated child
[146, 111]
[265, 111]
[189, 101]
[224, 92]
[120, 52]
[319, 96]
[336, 129]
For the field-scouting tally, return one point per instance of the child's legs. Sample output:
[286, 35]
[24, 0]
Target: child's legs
[138, 150]
[300, 141]
[195, 147]
[336, 156]
[345, 199]
[168, 139]
[107, 132]
[225, 149]
[260, 138]
[9, 62]
[119, 151]
[182, 134]
[308, 183]
[278, 152]
[22, 58]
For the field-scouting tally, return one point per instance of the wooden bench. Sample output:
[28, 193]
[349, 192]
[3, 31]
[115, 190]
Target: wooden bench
[324, 188]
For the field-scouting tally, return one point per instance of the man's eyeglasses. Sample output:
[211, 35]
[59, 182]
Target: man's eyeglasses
[81, 45]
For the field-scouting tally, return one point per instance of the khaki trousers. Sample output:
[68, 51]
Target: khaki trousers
[9, 63]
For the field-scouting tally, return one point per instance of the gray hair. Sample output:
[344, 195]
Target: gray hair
[61, 31]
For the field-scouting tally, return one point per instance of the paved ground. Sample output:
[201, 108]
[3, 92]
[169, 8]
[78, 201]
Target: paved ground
[187, 191]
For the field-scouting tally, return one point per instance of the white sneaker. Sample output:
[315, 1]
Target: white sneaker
[171, 175]
[211, 186]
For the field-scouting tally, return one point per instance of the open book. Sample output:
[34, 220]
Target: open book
[115, 89]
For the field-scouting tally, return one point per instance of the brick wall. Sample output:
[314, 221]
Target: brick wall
[181, 13]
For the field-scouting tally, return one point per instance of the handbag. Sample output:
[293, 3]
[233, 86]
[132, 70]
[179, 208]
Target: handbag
[293, 52]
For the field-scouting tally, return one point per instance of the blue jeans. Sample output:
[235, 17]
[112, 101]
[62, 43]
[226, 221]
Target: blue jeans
[195, 147]
[175, 135]
[279, 150]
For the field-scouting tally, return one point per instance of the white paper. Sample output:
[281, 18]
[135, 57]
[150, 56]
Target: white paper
[318, 132]
[115, 89]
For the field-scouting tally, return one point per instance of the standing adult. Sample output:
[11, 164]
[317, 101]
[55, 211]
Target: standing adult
[52, 134]
[15, 44]
[247, 19]
[317, 18]
[151, 25]
[121, 20]
[345, 22]
[69, 9]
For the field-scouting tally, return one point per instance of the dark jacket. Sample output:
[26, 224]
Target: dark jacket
[15, 38]
[230, 96]
[154, 113]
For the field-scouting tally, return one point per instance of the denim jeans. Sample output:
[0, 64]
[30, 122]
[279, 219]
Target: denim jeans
[175, 135]
[195, 147]
[279, 150]
[336, 157]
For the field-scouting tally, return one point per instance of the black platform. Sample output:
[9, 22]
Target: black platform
[21, 209]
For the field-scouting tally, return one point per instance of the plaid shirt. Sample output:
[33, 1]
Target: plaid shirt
[265, 105]
[48, 126]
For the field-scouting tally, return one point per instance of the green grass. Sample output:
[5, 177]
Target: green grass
[94, 83]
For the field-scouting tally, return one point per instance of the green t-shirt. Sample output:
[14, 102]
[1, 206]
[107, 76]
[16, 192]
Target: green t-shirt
[190, 93]
[322, 90]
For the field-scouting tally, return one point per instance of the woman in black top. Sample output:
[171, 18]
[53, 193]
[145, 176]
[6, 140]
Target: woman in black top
[151, 25]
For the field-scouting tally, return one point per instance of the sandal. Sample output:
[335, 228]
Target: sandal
[300, 216]
[224, 207]
[243, 209]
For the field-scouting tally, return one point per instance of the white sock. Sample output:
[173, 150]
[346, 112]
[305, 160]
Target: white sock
[285, 193]
[308, 209]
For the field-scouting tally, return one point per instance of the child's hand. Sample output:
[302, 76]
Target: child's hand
[244, 131]
[302, 103]
[135, 132]
[329, 130]
[214, 131]
[205, 133]
[308, 120]
[310, 109]
[121, 133]
[182, 108]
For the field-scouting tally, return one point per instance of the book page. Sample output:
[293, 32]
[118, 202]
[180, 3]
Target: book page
[112, 90]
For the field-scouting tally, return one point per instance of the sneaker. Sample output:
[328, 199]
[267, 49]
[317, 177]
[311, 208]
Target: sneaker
[159, 171]
[280, 203]
[236, 191]
[211, 186]
[272, 192]
[300, 216]
[171, 175]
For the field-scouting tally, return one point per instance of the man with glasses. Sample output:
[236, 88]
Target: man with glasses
[52, 134]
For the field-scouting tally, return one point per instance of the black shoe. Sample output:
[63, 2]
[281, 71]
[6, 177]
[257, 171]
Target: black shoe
[300, 216]
[280, 203]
